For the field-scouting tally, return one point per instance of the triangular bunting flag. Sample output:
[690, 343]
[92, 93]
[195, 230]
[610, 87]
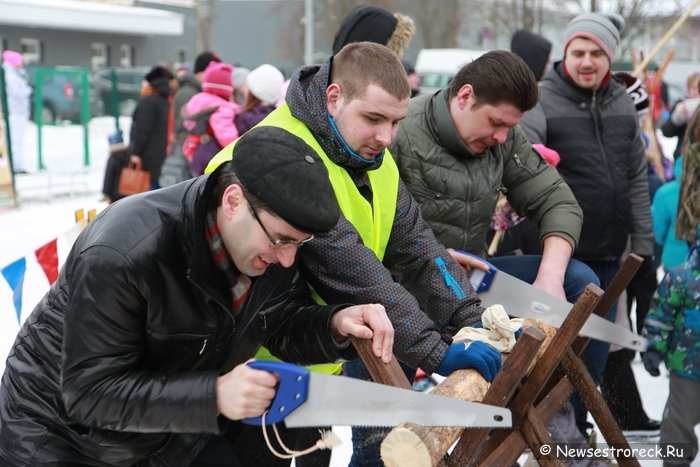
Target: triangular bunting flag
[47, 256]
[14, 275]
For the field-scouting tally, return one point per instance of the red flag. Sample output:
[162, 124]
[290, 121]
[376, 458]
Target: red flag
[47, 256]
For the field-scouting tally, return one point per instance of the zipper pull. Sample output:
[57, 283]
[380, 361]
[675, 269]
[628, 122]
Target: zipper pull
[516, 158]
[449, 280]
[204, 344]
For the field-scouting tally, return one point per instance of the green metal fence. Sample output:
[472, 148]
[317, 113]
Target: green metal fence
[61, 94]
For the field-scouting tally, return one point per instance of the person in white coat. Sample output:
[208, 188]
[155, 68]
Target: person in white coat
[18, 105]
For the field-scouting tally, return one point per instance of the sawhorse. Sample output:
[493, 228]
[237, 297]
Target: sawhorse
[534, 382]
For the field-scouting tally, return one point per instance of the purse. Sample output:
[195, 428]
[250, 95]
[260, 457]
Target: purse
[133, 180]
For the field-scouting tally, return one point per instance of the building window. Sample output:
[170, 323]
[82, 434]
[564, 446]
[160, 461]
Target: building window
[31, 50]
[181, 56]
[99, 55]
[126, 56]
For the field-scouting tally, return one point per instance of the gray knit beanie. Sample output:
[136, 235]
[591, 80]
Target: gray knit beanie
[601, 28]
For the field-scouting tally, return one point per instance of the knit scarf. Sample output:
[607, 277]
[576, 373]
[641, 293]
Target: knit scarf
[238, 282]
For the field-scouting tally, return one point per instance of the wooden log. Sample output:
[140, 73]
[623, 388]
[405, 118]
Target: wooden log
[415, 445]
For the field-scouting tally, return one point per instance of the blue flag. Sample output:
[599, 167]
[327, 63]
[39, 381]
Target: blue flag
[14, 275]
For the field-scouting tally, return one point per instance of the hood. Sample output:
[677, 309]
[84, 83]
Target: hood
[306, 97]
[375, 24]
[533, 49]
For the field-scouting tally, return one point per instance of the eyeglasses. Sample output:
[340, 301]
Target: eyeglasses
[277, 244]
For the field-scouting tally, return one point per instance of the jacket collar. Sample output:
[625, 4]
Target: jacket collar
[306, 97]
[445, 126]
[560, 81]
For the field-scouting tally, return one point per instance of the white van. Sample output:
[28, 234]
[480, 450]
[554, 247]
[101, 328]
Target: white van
[436, 67]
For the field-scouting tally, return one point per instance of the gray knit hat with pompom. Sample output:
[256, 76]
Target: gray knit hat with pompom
[601, 28]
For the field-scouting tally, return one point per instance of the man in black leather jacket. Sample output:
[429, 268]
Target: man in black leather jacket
[137, 353]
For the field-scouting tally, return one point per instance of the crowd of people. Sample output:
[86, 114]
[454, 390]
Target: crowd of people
[180, 122]
[340, 203]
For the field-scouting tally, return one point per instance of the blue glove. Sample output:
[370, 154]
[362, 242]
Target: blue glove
[652, 360]
[518, 332]
[482, 357]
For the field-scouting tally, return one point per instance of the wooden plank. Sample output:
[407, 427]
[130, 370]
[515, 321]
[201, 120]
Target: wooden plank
[545, 367]
[536, 436]
[672, 30]
[385, 373]
[586, 387]
[617, 285]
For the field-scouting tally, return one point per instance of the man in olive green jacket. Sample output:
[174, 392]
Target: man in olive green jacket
[459, 148]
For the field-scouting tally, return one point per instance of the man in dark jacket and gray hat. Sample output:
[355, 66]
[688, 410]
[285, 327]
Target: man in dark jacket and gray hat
[586, 116]
[137, 353]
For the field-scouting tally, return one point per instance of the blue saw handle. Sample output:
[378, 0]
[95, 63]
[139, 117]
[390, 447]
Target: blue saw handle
[480, 280]
[292, 391]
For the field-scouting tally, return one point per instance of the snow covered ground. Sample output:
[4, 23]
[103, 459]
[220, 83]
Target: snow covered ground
[48, 201]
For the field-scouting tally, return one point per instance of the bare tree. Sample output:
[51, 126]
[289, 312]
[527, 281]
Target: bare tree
[438, 23]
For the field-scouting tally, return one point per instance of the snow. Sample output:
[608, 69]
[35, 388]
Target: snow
[48, 200]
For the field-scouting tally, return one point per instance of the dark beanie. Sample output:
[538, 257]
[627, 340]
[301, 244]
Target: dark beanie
[285, 173]
[637, 91]
[374, 24]
[533, 49]
[203, 60]
[158, 72]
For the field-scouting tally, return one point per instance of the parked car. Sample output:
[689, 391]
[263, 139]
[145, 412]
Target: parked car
[436, 67]
[128, 87]
[59, 94]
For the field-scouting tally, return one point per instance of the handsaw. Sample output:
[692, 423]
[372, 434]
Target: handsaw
[524, 300]
[306, 398]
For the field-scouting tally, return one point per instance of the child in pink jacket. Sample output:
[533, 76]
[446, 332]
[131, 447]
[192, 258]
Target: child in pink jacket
[209, 116]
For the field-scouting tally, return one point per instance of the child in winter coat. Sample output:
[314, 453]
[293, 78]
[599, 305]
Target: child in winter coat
[263, 90]
[673, 330]
[213, 110]
[663, 215]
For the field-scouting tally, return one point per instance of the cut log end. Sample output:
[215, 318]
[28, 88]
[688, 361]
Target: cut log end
[404, 447]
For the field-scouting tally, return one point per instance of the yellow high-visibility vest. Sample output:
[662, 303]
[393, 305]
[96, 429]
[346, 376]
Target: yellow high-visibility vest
[373, 222]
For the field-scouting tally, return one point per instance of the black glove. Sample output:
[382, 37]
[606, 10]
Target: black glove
[652, 360]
